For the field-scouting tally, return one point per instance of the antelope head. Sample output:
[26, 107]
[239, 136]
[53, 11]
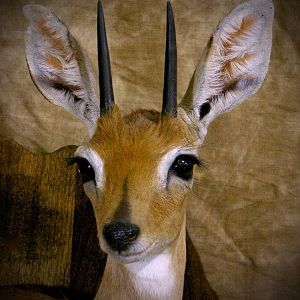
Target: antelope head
[137, 169]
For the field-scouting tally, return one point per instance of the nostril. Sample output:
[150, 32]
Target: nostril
[120, 235]
[133, 232]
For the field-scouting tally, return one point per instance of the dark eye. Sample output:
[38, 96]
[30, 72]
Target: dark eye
[84, 168]
[183, 166]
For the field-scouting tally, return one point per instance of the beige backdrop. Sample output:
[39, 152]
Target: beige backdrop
[244, 214]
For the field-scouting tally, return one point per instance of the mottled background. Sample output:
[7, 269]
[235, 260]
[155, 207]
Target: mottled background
[244, 213]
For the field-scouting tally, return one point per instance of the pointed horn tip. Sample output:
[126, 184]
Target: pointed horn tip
[170, 85]
[100, 10]
[170, 14]
[105, 80]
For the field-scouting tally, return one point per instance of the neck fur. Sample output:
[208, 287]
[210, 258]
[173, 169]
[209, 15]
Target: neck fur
[158, 276]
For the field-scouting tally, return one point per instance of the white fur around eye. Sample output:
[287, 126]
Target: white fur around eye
[167, 161]
[95, 161]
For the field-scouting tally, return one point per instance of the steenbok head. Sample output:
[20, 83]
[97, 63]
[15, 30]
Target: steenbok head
[137, 169]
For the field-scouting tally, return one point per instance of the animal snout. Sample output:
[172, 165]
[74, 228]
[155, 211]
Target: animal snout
[119, 235]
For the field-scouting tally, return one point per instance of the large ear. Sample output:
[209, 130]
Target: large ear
[58, 67]
[234, 64]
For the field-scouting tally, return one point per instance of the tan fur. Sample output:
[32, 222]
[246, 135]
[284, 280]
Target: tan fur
[246, 24]
[236, 62]
[51, 36]
[227, 70]
[131, 148]
[233, 39]
[141, 143]
[53, 62]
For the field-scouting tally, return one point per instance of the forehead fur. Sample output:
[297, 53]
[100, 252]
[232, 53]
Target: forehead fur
[141, 134]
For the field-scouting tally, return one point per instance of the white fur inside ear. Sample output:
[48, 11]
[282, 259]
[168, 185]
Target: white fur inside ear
[235, 62]
[49, 53]
[47, 41]
[57, 67]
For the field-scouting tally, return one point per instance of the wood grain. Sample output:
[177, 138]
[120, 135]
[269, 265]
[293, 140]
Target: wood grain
[37, 212]
[88, 261]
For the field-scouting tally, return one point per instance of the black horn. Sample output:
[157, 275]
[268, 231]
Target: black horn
[169, 106]
[105, 81]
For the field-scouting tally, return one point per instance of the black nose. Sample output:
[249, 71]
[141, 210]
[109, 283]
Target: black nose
[120, 235]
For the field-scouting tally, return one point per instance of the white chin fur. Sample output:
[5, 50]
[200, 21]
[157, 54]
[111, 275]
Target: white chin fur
[157, 270]
[136, 252]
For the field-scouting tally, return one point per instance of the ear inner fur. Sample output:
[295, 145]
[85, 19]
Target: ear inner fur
[234, 64]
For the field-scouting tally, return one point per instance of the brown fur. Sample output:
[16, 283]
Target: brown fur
[227, 73]
[237, 61]
[53, 62]
[131, 148]
[52, 38]
[234, 39]
[246, 24]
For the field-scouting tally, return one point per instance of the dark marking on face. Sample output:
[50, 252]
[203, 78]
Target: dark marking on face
[123, 211]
